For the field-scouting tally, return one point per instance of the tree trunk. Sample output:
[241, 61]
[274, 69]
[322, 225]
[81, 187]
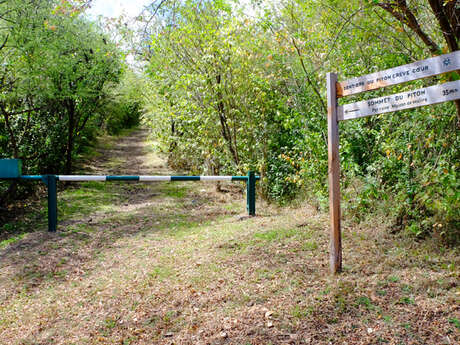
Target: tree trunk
[448, 22]
[447, 15]
[70, 104]
[447, 30]
[173, 144]
[13, 140]
[226, 133]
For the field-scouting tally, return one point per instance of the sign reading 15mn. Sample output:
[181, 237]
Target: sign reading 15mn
[400, 101]
[405, 100]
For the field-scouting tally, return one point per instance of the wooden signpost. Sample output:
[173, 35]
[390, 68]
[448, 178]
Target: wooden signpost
[405, 100]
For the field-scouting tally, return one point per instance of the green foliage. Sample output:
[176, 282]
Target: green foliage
[124, 106]
[60, 84]
[455, 322]
[231, 92]
[226, 93]
[56, 65]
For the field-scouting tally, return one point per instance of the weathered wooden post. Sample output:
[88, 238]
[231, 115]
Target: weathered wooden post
[335, 255]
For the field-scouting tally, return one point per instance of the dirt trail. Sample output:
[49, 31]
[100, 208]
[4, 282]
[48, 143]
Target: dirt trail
[175, 263]
[130, 155]
[94, 215]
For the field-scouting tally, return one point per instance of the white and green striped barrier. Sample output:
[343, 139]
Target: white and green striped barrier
[148, 178]
[11, 169]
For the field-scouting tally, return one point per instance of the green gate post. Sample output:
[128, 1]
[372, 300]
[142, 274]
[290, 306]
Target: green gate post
[51, 182]
[251, 193]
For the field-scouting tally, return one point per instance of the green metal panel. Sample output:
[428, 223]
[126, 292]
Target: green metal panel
[10, 168]
[51, 182]
[122, 178]
[251, 193]
[32, 177]
[239, 178]
[185, 178]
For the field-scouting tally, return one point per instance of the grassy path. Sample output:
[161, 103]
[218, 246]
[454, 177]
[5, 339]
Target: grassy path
[174, 263]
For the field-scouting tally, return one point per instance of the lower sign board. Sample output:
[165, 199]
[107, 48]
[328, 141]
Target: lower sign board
[400, 101]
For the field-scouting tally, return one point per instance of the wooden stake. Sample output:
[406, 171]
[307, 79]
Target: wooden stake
[335, 255]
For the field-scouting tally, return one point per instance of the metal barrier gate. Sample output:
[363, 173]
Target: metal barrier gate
[10, 169]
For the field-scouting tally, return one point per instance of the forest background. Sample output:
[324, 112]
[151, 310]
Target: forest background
[230, 86]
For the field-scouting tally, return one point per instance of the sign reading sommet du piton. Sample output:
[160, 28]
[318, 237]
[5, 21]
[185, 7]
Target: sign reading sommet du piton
[449, 91]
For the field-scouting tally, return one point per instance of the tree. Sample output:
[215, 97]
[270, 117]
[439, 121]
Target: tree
[447, 14]
[83, 62]
[236, 92]
[56, 71]
[55, 67]
[219, 98]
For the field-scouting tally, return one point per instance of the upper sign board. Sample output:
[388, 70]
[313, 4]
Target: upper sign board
[401, 74]
[404, 100]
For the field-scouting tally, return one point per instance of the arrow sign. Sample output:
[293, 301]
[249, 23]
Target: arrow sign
[351, 111]
[404, 100]
[401, 74]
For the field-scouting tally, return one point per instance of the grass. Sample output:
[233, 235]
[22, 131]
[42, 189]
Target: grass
[87, 198]
[174, 191]
[177, 263]
[11, 240]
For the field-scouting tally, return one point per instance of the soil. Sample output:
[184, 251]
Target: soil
[179, 263]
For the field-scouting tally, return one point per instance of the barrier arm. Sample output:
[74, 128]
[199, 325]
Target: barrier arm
[51, 183]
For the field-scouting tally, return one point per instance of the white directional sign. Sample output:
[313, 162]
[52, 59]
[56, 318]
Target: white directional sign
[404, 100]
[401, 74]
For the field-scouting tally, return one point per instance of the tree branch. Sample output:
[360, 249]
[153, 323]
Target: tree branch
[24, 111]
[403, 14]
[315, 89]
[453, 15]
[13, 141]
[4, 43]
[446, 28]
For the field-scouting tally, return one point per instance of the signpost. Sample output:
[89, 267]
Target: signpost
[405, 100]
